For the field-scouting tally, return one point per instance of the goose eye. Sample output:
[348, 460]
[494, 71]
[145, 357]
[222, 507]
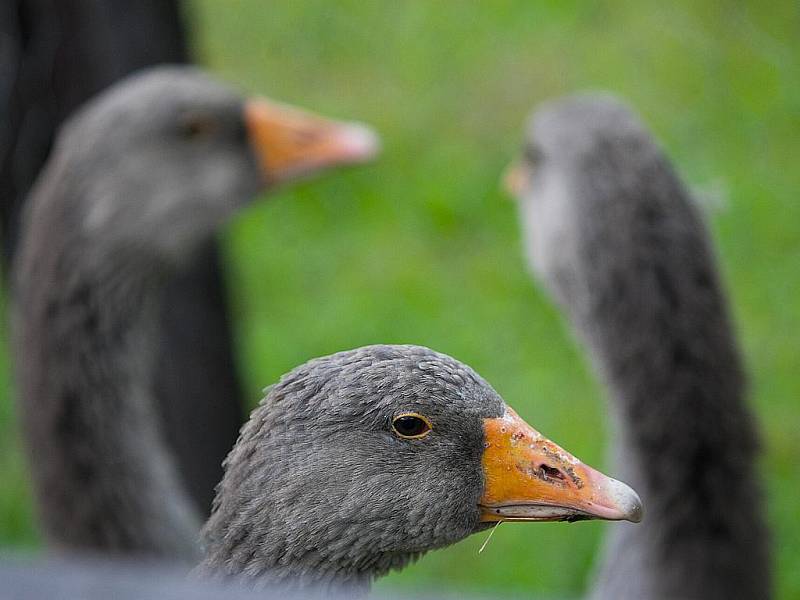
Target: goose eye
[196, 126]
[411, 426]
[533, 154]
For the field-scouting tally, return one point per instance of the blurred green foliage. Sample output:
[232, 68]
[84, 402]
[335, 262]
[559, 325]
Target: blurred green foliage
[423, 247]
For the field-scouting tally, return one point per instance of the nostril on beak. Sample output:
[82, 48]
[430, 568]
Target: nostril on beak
[548, 472]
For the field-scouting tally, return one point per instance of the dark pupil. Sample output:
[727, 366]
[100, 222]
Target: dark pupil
[410, 426]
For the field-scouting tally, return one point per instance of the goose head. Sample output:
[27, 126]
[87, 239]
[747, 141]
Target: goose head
[160, 160]
[359, 462]
[581, 157]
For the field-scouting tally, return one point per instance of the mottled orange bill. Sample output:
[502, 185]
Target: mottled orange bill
[529, 478]
[291, 143]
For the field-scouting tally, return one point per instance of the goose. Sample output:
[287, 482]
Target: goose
[614, 237]
[352, 465]
[357, 463]
[138, 179]
[56, 55]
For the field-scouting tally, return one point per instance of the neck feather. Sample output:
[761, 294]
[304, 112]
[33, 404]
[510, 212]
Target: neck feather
[658, 330]
[103, 476]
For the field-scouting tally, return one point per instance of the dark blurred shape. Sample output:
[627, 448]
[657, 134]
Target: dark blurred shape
[196, 382]
[94, 579]
[55, 54]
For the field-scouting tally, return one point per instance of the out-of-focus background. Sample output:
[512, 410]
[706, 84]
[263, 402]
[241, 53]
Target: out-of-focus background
[424, 248]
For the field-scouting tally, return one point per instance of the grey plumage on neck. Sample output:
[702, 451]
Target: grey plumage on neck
[613, 235]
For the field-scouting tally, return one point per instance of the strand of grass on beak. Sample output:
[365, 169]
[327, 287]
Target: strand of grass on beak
[491, 533]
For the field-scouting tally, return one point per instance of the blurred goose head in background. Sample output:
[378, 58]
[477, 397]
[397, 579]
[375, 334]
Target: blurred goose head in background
[577, 152]
[160, 160]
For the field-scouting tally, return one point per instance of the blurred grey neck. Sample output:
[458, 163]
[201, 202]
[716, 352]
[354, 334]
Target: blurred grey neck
[656, 323]
[104, 478]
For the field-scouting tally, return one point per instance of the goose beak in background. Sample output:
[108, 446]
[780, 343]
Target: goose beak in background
[291, 143]
[515, 179]
[529, 478]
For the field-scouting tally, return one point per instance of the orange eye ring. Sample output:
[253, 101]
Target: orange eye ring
[411, 426]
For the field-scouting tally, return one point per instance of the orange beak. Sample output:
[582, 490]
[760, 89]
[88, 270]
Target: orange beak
[529, 478]
[515, 179]
[291, 143]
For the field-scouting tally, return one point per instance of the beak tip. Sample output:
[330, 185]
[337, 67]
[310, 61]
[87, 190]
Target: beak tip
[636, 513]
[628, 502]
[359, 142]
[512, 181]
[290, 143]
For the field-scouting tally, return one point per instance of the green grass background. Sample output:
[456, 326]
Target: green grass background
[423, 247]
